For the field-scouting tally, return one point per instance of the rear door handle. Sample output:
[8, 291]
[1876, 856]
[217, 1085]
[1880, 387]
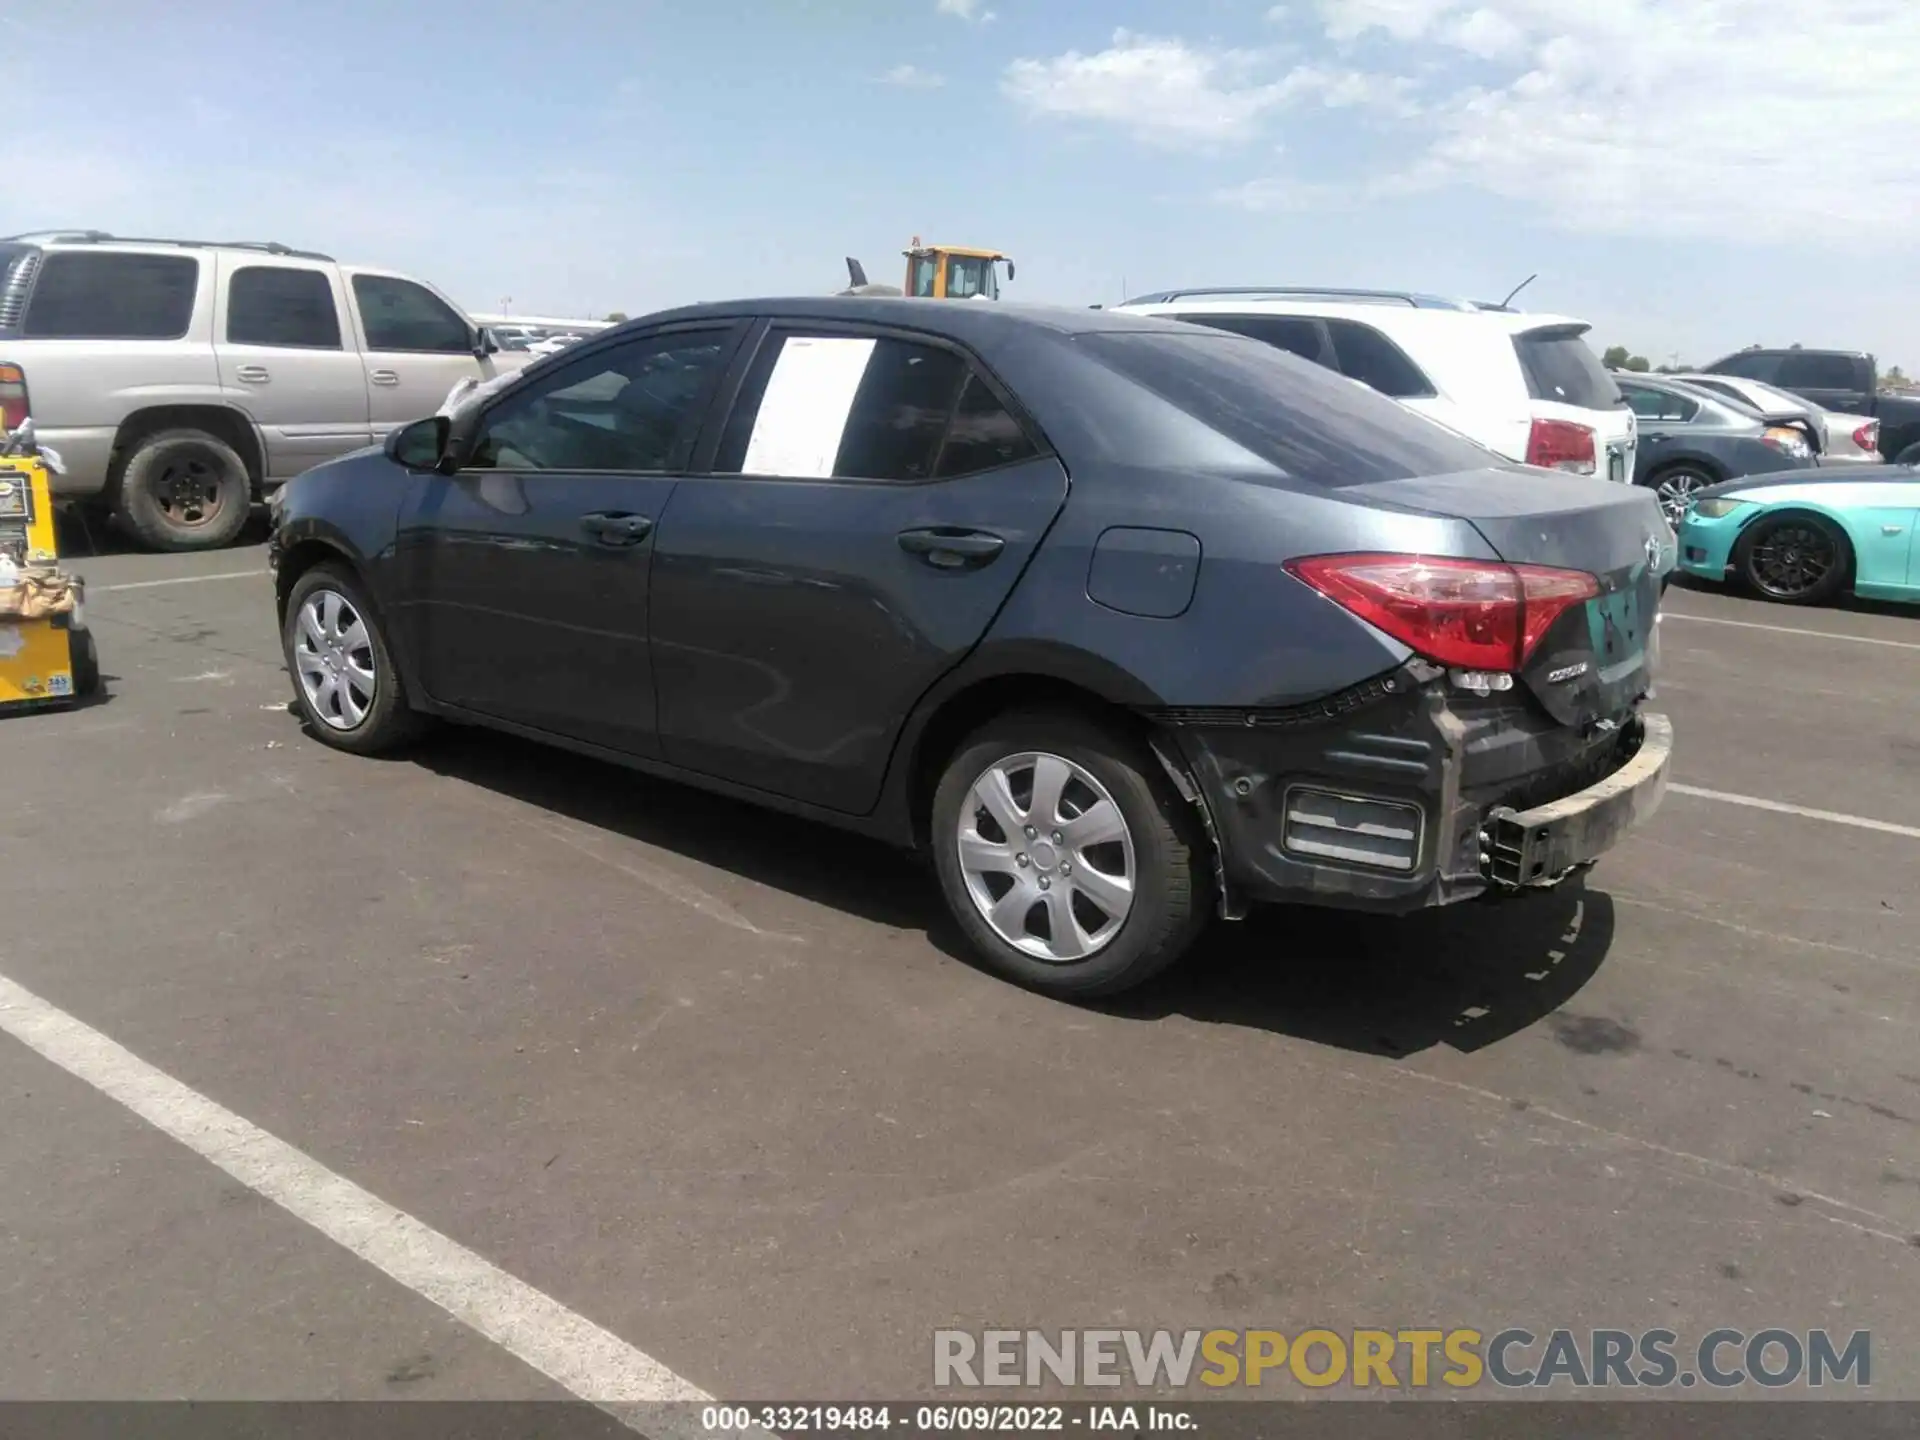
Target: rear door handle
[951, 549]
[384, 377]
[252, 374]
[611, 528]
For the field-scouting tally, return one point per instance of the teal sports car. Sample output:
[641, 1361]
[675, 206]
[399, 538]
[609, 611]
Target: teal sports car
[1805, 536]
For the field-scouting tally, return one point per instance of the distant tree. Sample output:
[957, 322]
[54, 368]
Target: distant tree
[1895, 375]
[1637, 364]
[1615, 357]
[1796, 345]
[614, 317]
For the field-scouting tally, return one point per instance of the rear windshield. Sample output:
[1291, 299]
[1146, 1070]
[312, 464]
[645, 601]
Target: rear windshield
[1561, 367]
[1310, 422]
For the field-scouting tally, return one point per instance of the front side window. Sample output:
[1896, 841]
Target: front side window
[82, 296]
[281, 305]
[634, 407]
[968, 276]
[1818, 372]
[400, 315]
[843, 407]
[925, 269]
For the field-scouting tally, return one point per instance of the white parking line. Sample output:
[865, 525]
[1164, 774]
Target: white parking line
[1791, 630]
[175, 580]
[1780, 807]
[590, 1362]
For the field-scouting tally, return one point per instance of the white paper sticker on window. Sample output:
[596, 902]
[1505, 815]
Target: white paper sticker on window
[804, 411]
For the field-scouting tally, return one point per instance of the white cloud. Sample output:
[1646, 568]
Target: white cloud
[1167, 92]
[1648, 117]
[969, 10]
[912, 77]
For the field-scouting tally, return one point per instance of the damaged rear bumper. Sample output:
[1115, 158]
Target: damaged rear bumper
[1405, 794]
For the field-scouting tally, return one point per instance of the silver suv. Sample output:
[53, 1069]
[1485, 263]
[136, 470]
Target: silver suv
[181, 380]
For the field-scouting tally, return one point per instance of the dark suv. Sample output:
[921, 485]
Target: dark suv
[1122, 620]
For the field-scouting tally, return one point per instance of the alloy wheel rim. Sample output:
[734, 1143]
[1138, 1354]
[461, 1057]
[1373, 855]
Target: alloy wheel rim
[1675, 491]
[1792, 560]
[333, 655]
[1047, 856]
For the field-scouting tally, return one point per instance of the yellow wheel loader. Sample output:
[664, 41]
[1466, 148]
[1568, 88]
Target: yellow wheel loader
[938, 272]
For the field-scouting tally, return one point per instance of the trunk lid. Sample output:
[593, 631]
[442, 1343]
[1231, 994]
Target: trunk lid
[1600, 655]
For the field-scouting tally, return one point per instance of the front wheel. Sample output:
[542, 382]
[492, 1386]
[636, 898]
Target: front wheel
[344, 679]
[1065, 857]
[1795, 559]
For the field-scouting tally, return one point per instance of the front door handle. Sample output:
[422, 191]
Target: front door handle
[612, 528]
[252, 374]
[384, 377]
[952, 549]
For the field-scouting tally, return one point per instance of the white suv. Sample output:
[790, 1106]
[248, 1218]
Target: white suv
[1526, 386]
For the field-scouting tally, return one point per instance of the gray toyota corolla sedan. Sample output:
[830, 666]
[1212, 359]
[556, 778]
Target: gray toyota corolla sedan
[1124, 622]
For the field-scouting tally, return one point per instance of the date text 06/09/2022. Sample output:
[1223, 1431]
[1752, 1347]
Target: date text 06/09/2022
[937, 1419]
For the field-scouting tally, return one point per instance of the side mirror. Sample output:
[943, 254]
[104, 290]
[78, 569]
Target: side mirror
[421, 445]
[484, 344]
[1009, 269]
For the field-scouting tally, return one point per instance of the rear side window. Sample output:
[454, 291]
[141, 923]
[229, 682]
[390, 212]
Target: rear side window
[866, 408]
[1561, 368]
[1819, 372]
[1300, 335]
[1650, 404]
[1371, 358]
[1309, 422]
[280, 305]
[400, 315]
[82, 296]
[983, 436]
[1751, 365]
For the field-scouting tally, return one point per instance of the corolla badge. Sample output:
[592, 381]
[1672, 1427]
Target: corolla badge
[1566, 672]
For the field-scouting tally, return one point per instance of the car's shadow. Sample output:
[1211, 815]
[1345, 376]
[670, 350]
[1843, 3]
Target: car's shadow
[1464, 977]
[1847, 604]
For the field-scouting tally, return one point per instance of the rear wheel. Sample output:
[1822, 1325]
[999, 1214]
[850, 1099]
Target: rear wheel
[185, 490]
[1910, 455]
[1795, 559]
[1676, 486]
[1064, 856]
[84, 656]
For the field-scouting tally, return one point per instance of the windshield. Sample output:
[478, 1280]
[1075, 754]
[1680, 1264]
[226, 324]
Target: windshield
[1311, 422]
[970, 275]
[1561, 367]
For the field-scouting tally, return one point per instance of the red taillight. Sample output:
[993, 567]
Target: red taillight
[1468, 614]
[13, 396]
[1561, 445]
[1867, 437]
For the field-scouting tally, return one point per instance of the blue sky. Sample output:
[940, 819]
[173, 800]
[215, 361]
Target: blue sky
[1673, 174]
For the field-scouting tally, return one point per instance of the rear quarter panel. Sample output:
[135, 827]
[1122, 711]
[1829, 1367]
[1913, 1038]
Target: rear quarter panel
[1252, 635]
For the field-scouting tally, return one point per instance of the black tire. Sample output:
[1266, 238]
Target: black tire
[1171, 874]
[1682, 479]
[84, 657]
[184, 490]
[1795, 558]
[1910, 455]
[388, 721]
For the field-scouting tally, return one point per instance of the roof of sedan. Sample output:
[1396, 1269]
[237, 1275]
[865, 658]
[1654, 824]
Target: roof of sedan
[959, 320]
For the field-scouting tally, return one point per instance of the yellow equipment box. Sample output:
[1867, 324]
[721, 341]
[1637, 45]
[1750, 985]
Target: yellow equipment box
[47, 654]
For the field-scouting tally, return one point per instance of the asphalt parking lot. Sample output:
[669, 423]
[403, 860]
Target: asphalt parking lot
[715, 1081]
